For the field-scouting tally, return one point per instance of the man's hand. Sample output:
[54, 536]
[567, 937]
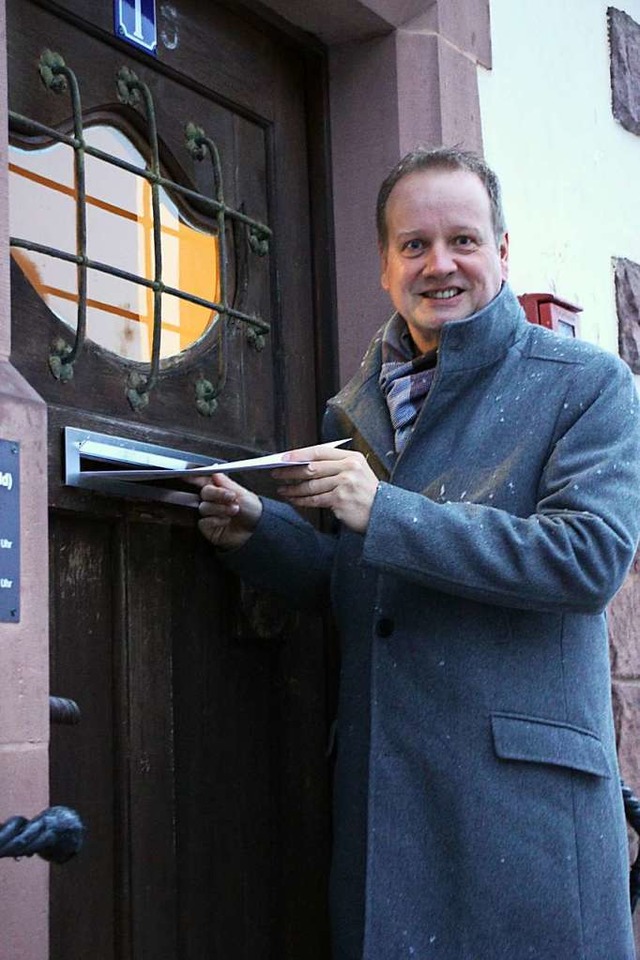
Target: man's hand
[338, 479]
[228, 513]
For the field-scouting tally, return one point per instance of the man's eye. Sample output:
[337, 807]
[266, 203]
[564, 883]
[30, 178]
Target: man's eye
[464, 241]
[413, 246]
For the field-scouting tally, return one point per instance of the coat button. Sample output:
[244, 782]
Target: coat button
[384, 627]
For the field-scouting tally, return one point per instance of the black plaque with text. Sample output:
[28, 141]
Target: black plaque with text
[9, 531]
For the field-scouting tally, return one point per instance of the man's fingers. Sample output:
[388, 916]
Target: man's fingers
[320, 451]
[296, 474]
[215, 479]
[315, 468]
[228, 512]
[220, 488]
[306, 488]
[198, 482]
[218, 502]
[211, 494]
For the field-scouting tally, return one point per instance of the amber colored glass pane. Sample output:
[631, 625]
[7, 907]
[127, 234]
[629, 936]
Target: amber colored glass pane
[120, 234]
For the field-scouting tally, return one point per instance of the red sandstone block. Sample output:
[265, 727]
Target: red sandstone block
[624, 616]
[626, 712]
[23, 883]
[24, 775]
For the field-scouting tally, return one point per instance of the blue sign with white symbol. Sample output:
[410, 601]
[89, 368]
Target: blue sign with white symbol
[135, 22]
[9, 531]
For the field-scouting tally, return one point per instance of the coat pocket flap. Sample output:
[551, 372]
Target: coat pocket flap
[547, 741]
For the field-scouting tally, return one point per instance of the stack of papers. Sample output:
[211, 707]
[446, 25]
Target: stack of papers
[270, 462]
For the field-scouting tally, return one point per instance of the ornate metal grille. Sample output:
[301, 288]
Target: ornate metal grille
[59, 78]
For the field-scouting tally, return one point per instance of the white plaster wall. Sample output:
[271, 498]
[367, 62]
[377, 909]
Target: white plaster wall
[570, 173]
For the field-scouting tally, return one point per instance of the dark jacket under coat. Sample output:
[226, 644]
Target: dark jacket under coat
[477, 809]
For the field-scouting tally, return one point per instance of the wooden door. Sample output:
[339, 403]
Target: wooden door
[198, 766]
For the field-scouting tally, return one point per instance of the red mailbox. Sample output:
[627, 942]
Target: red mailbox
[547, 310]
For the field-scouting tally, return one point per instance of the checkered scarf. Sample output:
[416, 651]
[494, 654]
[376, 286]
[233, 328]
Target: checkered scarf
[405, 379]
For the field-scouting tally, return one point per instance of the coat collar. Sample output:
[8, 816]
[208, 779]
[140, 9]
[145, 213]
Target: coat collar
[483, 338]
[477, 341]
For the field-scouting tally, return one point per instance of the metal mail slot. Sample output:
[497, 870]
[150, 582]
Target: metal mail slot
[87, 454]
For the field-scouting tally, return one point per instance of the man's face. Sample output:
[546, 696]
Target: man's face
[442, 261]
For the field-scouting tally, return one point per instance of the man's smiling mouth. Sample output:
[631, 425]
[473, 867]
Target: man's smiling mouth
[442, 294]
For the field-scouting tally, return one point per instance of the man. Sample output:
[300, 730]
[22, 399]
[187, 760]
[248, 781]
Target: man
[488, 514]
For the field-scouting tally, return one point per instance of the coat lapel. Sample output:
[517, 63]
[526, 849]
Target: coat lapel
[359, 410]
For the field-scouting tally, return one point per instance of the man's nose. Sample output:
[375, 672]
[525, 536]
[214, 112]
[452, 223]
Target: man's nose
[439, 261]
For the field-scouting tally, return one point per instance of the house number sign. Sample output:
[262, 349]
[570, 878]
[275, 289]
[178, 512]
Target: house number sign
[9, 531]
[135, 22]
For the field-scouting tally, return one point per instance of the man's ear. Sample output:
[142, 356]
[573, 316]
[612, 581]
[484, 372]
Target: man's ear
[384, 281]
[503, 250]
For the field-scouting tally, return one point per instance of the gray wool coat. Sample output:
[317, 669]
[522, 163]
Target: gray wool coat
[477, 805]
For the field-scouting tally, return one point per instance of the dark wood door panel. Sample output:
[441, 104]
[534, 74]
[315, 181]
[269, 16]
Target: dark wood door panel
[228, 732]
[84, 766]
[112, 654]
[251, 769]
[146, 686]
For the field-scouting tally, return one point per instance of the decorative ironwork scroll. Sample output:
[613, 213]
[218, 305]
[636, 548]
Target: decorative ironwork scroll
[59, 78]
[56, 835]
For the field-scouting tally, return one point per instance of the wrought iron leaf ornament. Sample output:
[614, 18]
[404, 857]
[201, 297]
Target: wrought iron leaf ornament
[209, 296]
[51, 68]
[128, 87]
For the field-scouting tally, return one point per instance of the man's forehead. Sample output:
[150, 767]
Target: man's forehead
[456, 183]
[457, 195]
